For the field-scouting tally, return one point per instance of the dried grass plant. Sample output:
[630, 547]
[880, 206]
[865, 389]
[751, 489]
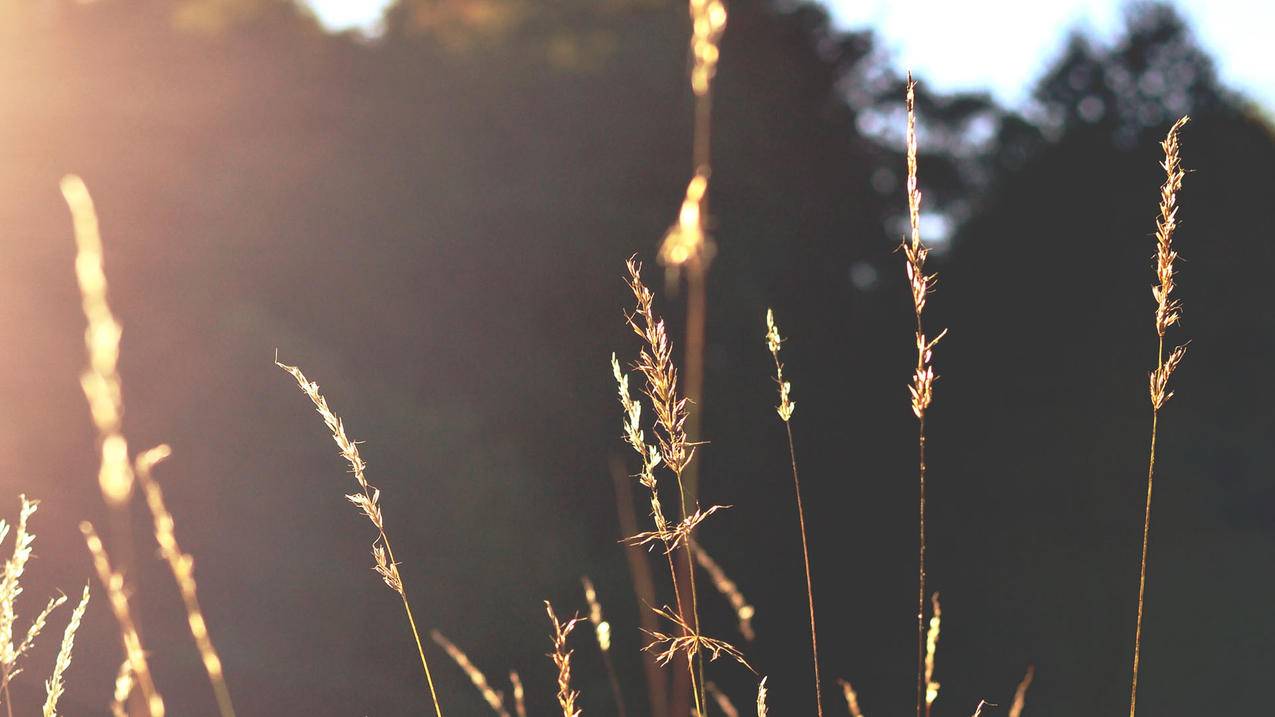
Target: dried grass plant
[923, 376]
[55, 686]
[367, 500]
[1168, 311]
[602, 630]
[562, 660]
[785, 409]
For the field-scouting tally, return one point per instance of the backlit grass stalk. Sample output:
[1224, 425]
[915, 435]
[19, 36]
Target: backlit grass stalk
[368, 502]
[54, 686]
[183, 569]
[744, 611]
[100, 381]
[675, 449]
[562, 660]
[1167, 313]
[1020, 694]
[12, 649]
[785, 410]
[113, 582]
[931, 652]
[494, 699]
[923, 376]
[852, 698]
[602, 630]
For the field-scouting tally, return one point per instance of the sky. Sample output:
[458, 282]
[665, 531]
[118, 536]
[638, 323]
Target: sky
[1000, 45]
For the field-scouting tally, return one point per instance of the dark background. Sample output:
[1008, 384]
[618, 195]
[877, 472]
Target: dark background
[434, 225]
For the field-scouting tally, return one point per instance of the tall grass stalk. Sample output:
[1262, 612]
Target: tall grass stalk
[117, 594]
[785, 410]
[923, 376]
[367, 500]
[1167, 313]
[182, 566]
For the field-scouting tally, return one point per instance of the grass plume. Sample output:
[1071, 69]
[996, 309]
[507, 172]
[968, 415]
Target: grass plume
[182, 566]
[55, 685]
[367, 500]
[1168, 311]
[520, 700]
[785, 409]
[562, 660]
[923, 376]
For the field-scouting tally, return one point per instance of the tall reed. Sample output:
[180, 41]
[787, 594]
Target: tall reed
[367, 500]
[785, 410]
[923, 376]
[1168, 311]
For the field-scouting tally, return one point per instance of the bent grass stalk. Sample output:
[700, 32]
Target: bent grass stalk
[182, 566]
[494, 699]
[602, 630]
[1020, 694]
[785, 410]
[367, 501]
[1168, 312]
[113, 582]
[923, 376]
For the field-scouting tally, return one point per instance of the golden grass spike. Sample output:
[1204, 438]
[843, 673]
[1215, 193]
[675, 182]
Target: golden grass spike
[602, 629]
[852, 698]
[520, 703]
[723, 702]
[923, 376]
[1168, 312]
[562, 660]
[931, 651]
[123, 688]
[11, 588]
[708, 21]
[100, 381]
[687, 241]
[113, 582]
[182, 566]
[761, 698]
[1020, 694]
[727, 587]
[494, 699]
[54, 687]
[368, 502]
[655, 363]
[774, 342]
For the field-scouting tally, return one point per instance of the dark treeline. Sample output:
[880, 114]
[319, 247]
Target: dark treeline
[433, 225]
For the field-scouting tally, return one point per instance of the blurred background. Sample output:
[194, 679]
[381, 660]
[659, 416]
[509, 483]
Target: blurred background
[427, 207]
